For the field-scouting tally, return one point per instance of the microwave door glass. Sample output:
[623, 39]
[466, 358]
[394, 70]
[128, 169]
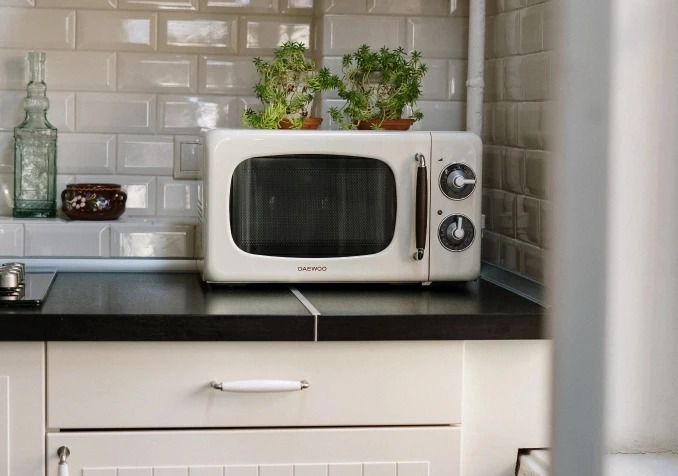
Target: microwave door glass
[313, 206]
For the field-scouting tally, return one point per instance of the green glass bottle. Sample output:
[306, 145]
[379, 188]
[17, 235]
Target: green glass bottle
[35, 150]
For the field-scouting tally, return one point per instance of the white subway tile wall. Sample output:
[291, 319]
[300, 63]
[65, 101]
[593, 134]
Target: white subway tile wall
[145, 155]
[188, 114]
[6, 194]
[75, 239]
[131, 82]
[12, 239]
[438, 29]
[158, 73]
[125, 113]
[517, 131]
[177, 197]
[260, 35]
[127, 237]
[151, 240]
[87, 153]
[193, 33]
[6, 152]
[49, 29]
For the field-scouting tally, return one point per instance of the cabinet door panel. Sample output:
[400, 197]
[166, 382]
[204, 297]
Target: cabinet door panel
[421, 451]
[4, 425]
[22, 408]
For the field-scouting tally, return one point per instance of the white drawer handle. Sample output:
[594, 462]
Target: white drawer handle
[261, 386]
[63, 453]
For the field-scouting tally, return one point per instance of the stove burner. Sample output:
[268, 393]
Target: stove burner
[21, 288]
[11, 276]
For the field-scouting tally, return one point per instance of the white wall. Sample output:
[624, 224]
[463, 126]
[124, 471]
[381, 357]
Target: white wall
[642, 320]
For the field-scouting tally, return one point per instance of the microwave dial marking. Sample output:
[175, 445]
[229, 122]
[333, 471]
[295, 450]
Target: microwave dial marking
[456, 232]
[457, 181]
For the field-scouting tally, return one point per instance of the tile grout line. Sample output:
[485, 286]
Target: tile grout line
[309, 307]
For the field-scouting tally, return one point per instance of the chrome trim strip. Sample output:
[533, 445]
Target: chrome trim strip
[521, 285]
[309, 307]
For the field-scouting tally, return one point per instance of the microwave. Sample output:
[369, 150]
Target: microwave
[339, 206]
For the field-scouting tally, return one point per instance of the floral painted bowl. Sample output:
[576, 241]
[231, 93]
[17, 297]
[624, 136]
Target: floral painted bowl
[93, 201]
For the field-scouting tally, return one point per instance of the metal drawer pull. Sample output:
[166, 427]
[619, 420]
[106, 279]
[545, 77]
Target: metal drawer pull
[261, 386]
[63, 453]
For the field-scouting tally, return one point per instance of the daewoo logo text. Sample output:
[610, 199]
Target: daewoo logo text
[312, 268]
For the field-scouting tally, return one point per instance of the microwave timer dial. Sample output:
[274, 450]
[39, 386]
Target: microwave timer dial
[457, 181]
[456, 232]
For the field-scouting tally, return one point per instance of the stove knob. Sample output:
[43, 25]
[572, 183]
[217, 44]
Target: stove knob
[457, 181]
[9, 278]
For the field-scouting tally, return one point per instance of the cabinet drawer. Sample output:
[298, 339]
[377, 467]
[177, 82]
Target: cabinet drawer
[310, 452]
[167, 385]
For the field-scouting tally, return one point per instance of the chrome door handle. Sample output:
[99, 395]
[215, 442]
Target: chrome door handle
[261, 386]
[63, 453]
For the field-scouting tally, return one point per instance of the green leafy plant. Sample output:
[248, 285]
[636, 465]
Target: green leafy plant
[378, 85]
[286, 87]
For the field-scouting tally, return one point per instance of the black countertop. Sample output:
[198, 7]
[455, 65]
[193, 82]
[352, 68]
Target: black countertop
[179, 307]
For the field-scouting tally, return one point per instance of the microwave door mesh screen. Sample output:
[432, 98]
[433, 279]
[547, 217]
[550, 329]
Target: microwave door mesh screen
[313, 206]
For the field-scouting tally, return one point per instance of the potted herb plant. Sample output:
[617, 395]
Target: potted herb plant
[286, 89]
[377, 87]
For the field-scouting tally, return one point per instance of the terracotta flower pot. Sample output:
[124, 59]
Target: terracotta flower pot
[93, 201]
[386, 124]
[309, 123]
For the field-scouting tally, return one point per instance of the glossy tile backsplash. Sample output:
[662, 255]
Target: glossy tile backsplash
[436, 28]
[517, 134]
[131, 82]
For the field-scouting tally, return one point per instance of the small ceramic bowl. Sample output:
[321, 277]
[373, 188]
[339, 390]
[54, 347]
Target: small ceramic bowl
[93, 201]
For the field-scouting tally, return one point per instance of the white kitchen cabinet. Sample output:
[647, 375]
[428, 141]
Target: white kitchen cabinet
[447, 408]
[419, 451]
[507, 404]
[167, 384]
[22, 408]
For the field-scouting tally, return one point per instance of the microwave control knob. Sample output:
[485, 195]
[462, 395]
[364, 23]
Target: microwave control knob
[456, 232]
[457, 181]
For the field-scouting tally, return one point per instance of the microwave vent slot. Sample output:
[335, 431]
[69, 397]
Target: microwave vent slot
[199, 245]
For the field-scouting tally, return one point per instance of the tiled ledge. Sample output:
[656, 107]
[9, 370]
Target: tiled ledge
[127, 237]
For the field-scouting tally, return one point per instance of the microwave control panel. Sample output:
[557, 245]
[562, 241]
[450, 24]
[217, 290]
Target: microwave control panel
[456, 176]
